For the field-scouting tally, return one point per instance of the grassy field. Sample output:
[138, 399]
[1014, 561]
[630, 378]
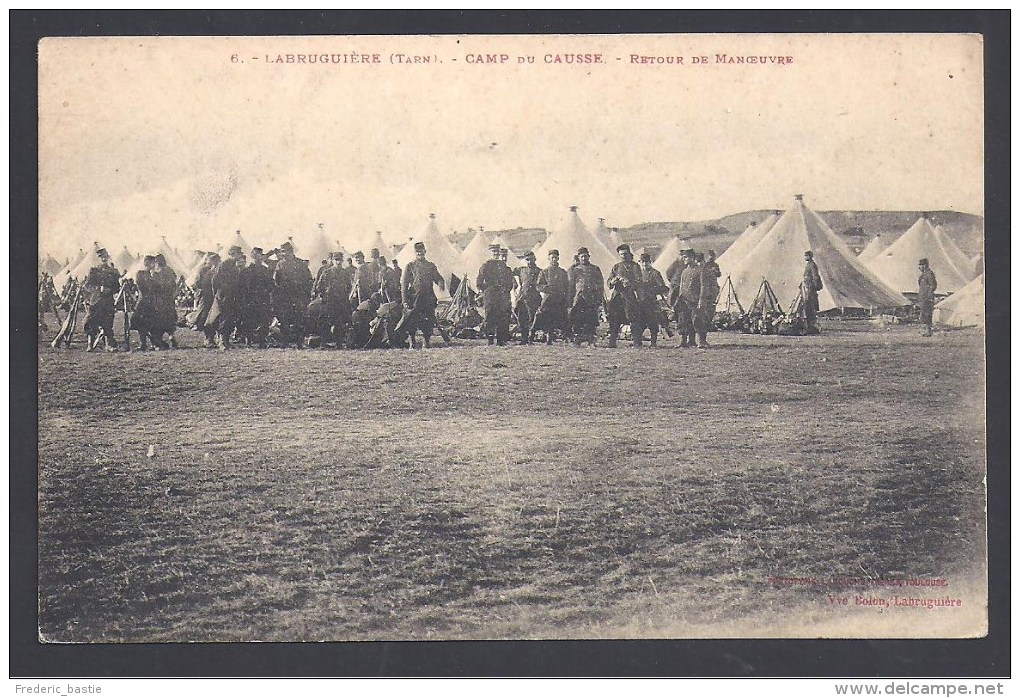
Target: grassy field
[519, 492]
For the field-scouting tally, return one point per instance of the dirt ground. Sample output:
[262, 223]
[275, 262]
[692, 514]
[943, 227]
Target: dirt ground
[519, 492]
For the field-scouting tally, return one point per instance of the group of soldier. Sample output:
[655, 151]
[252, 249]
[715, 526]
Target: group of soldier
[569, 302]
[346, 301]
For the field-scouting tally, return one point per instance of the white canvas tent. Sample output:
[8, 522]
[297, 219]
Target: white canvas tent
[779, 258]
[376, 242]
[316, 248]
[964, 308]
[960, 260]
[897, 264]
[236, 240]
[438, 250]
[80, 270]
[670, 253]
[476, 252]
[603, 234]
[571, 235]
[872, 249]
[746, 241]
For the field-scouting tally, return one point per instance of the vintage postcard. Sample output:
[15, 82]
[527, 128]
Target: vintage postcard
[511, 337]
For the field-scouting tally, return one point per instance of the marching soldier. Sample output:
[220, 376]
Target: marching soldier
[587, 293]
[812, 285]
[649, 287]
[554, 286]
[495, 281]
[529, 300]
[926, 285]
[255, 300]
[417, 287]
[685, 296]
[622, 305]
[100, 289]
[290, 299]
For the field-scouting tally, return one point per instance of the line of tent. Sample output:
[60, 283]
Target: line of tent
[771, 250]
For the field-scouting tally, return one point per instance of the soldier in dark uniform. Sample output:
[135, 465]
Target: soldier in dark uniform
[164, 279]
[647, 313]
[206, 273]
[587, 293]
[529, 300]
[685, 294]
[554, 286]
[926, 286]
[621, 308]
[290, 298]
[417, 288]
[367, 279]
[335, 291]
[389, 283]
[705, 312]
[145, 306]
[812, 285]
[255, 300]
[223, 314]
[398, 273]
[495, 281]
[100, 289]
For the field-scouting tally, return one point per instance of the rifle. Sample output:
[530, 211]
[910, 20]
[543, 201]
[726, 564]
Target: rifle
[67, 328]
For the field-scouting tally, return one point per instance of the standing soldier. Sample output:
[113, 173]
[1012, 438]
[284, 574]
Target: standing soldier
[685, 296]
[398, 274]
[367, 279]
[145, 306]
[554, 286]
[529, 300]
[200, 314]
[293, 290]
[417, 287]
[223, 313]
[709, 294]
[621, 308]
[390, 281]
[255, 300]
[99, 291]
[335, 291]
[926, 285]
[649, 287]
[587, 293]
[812, 285]
[164, 279]
[495, 281]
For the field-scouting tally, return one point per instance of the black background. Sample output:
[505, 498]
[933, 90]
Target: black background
[984, 657]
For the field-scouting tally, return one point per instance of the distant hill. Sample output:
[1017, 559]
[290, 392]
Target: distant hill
[856, 227]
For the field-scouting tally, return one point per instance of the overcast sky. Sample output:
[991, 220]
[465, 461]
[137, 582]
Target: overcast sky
[143, 137]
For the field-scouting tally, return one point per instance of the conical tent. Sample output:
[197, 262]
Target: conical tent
[81, 269]
[317, 248]
[670, 253]
[50, 265]
[438, 250]
[965, 307]
[475, 254]
[779, 257]
[746, 242]
[960, 260]
[237, 240]
[376, 242]
[173, 260]
[897, 264]
[124, 259]
[571, 235]
[512, 260]
[603, 234]
[872, 249]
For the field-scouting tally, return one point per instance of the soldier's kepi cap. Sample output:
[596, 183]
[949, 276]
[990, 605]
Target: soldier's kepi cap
[922, 262]
[286, 246]
[530, 255]
[623, 247]
[419, 247]
[235, 251]
[645, 257]
[553, 252]
[494, 248]
[583, 250]
[374, 252]
[256, 250]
